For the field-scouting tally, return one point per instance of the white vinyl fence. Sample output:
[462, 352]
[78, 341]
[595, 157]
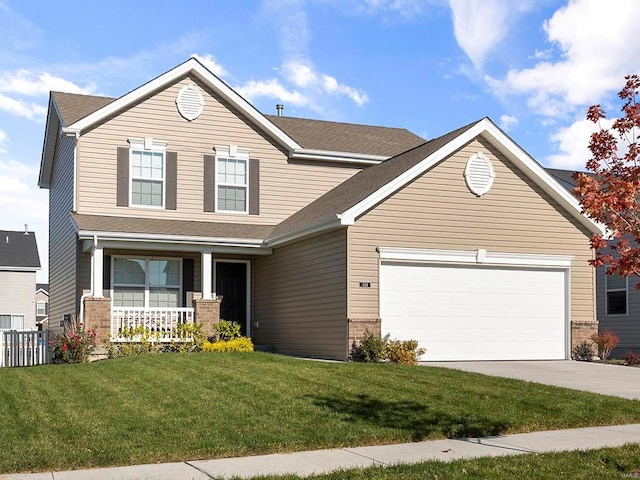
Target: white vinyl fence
[23, 348]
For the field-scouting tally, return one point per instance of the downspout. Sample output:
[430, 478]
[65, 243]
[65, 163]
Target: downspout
[91, 292]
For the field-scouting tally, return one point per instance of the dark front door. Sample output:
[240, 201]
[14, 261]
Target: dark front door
[231, 284]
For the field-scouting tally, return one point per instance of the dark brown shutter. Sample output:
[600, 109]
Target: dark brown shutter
[172, 181]
[187, 281]
[106, 272]
[209, 183]
[123, 177]
[254, 186]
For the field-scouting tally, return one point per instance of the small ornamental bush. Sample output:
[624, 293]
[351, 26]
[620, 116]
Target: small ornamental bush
[583, 352]
[631, 358]
[227, 330]
[405, 352]
[241, 344]
[371, 348]
[140, 340]
[75, 344]
[605, 341]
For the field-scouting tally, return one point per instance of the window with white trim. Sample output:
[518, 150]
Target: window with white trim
[232, 179]
[147, 172]
[616, 292]
[41, 308]
[147, 282]
[11, 321]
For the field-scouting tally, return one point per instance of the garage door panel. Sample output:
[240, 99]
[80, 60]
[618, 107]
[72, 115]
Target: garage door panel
[475, 313]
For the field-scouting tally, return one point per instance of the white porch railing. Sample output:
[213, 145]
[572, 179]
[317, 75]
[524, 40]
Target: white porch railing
[132, 324]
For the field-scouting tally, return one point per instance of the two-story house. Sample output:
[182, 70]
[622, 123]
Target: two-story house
[179, 201]
[19, 262]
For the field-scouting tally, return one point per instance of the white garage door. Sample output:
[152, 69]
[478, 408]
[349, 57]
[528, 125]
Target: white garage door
[475, 312]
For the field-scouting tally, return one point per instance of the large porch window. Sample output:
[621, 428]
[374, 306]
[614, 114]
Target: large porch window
[147, 282]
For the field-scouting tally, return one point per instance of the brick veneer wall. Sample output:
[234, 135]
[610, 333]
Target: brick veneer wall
[358, 327]
[97, 317]
[207, 312]
[581, 332]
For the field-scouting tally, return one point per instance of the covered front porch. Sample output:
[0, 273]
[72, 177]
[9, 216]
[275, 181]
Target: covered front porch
[152, 289]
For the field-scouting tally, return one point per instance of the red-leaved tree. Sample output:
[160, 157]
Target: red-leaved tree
[610, 192]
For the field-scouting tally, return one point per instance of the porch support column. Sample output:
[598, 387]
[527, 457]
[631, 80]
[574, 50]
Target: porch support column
[206, 275]
[97, 267]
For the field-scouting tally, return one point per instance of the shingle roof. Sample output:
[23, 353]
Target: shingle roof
[18, 249]
[102, 223]
[364, 183]
[347, 137]
[563, 177]
[73, 106]
[311, 134]
[42, 286]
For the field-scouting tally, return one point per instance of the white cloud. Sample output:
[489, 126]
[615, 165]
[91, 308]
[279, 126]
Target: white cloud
[271, 89]
[479, 25]
[24, 82]
[572, 143]
[32, 111]
[3, 140]
[300, 74]
[598, 46]
[332, 86]
[508, 121]
[211, 63]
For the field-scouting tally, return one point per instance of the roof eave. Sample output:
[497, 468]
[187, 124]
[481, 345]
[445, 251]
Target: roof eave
[331, 156]
[191, 66]
[328, 223]
[52, 127]
[487, 129]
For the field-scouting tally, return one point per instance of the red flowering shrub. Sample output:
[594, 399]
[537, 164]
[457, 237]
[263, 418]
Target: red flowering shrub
[605, 341]
[74, 345]
[631, 358]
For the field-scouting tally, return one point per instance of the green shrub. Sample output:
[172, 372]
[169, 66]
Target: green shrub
[241, 344]
[374, 349]
[405, 352]
[631, 358]
[370, 349]
[227, 330]
[583, 352]
[605, 341]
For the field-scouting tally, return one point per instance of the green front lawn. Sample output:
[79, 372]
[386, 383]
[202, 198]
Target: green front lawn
[171, 407]
[603, 464]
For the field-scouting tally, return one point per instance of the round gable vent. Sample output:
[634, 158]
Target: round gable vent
[190, 102]
[479, 174]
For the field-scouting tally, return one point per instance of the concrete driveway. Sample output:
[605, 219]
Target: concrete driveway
[592, 377]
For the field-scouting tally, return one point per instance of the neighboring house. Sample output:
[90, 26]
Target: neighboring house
[179, 200]
[19, 262]
[42, 304]
[618, 302]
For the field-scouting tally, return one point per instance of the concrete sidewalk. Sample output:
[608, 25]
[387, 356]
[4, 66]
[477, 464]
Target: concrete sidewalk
[323, 461]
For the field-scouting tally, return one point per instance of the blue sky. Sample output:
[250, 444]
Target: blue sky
[431, 66]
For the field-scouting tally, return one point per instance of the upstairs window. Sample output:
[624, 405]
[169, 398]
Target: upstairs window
[147, 173]
[616, 292]
[41, 308]
[232, 179]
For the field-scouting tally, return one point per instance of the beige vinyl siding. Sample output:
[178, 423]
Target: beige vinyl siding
[285, 187]
[627, 327]
[300, 297]
[17, 296]
[63, 244]
[437, 211]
